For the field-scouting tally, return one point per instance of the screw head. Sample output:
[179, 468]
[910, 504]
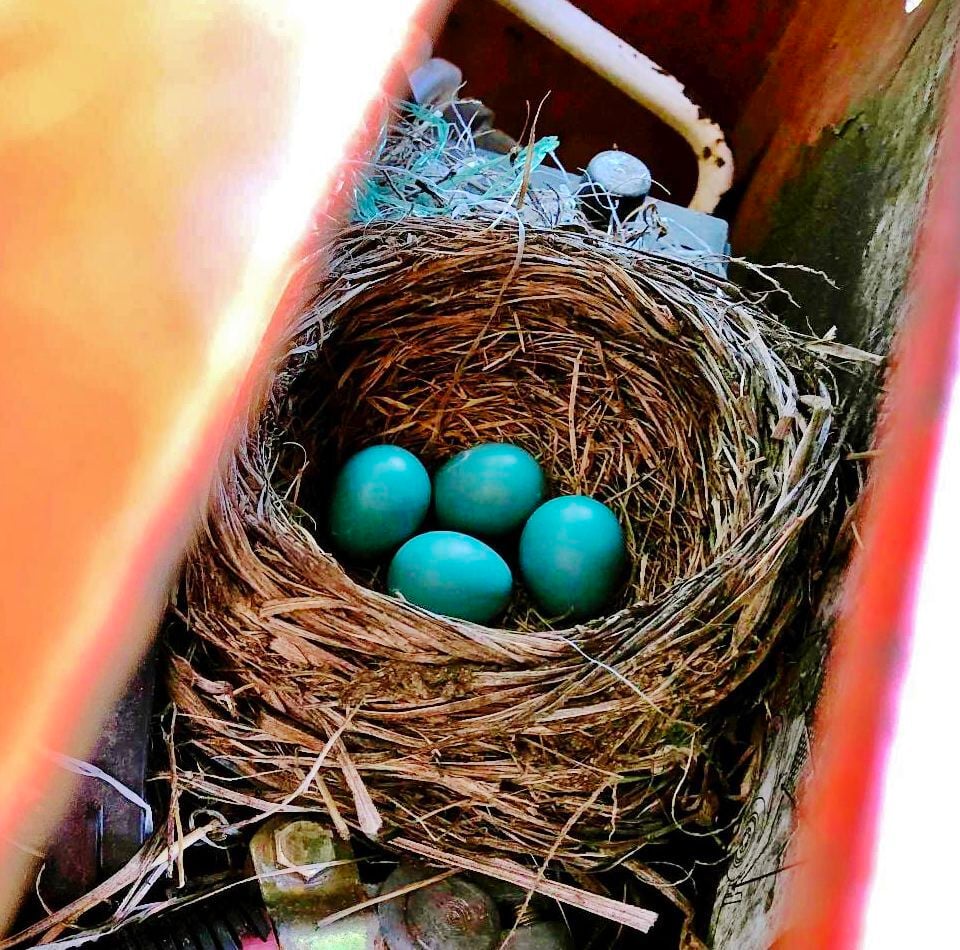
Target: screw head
[620, 174]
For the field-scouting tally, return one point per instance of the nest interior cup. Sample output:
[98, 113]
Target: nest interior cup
[606, 395]
[658, 389]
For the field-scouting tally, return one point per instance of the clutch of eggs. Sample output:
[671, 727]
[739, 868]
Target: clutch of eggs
[572, 553]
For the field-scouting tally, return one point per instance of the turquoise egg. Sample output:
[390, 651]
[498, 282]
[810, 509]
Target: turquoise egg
[380, 498]
[451, 574]
[572, 556]
[488, 490]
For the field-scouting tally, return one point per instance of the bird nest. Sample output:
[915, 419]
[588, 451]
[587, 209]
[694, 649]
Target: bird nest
[654, 387]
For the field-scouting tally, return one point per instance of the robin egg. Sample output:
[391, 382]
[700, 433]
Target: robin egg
[452, 574]
[380, 498]
[572, 556]
[488, 490]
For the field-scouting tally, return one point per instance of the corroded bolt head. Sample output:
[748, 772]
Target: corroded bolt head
[303, 844]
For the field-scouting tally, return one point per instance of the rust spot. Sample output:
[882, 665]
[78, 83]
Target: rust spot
[706, 151]
[720, 162]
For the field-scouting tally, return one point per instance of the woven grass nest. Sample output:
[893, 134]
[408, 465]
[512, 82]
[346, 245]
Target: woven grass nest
[655, 387]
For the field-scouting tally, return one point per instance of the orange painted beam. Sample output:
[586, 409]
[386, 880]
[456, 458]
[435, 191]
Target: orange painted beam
[160, 163]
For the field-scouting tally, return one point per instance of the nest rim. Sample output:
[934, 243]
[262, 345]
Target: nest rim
[334, 378]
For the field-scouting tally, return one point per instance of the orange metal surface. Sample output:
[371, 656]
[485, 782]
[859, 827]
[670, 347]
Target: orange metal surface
[830, 58]
[158, 161]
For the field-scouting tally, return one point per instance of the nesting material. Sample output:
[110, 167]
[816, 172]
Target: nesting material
[654, 387]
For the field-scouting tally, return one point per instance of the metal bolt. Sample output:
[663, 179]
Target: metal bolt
[436, 81]
[620, 174]
[304, 844]
[453, 914]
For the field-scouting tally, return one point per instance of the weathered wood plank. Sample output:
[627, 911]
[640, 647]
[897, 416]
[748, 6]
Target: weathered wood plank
[853, 210]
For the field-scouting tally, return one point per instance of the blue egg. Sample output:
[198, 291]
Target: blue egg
[572, 556]
[489, 490]
[452, 574]
[380, 498]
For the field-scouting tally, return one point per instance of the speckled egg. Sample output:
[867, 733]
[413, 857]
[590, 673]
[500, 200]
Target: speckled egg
[489, 490]
[572, 556]
[452, 574]
[380, 498]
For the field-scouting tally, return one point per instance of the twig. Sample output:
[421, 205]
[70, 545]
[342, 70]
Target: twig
[383, 898]
[637, 918]
[144, 862]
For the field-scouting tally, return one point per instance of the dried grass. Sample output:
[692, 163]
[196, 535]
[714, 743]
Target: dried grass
[655, 387]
